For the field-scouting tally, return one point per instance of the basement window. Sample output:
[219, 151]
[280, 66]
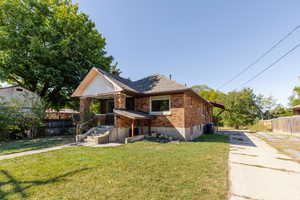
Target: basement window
[160, 105]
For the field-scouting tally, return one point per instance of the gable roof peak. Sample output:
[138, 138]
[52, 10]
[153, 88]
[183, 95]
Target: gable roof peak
[154, 83]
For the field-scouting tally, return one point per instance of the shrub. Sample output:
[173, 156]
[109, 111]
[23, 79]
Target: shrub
[22, 117]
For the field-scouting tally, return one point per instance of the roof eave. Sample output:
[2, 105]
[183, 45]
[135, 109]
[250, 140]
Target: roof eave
[217, 104]
[119, 112]
[203, 99]
[163, 92]
[76, 93]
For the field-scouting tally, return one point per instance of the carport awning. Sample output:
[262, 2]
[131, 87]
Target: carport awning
[217, 104]
[132, 114]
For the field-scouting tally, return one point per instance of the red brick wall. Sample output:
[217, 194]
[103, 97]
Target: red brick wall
[123, 122]
[142, 104]
[197, 111]
[176, 119]
[84, 107]
[186, 111]
[120, 101]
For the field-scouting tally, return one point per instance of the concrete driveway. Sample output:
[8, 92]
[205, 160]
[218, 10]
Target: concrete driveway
[258, 171]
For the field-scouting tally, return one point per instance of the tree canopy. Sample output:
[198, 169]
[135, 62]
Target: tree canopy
[243, 107]
[47, 46]
[295, 98]
[207, 92]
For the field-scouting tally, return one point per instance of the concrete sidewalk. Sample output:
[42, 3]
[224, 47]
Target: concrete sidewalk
[14, 155]
[258, 171]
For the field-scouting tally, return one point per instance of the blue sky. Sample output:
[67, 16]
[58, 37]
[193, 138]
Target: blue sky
[201, 42]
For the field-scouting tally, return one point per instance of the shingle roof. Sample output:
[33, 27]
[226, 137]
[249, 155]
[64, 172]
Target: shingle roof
[157, 83]
[152, 84]
[126, 84]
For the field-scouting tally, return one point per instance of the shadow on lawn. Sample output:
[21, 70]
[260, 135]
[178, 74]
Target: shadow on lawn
[19, 189]
[238, 138]
[32, 144]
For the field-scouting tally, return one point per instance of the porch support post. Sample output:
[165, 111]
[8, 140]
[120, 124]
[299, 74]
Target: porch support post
[132, 128]
[84, 107]
[120, 101]
[149, 127]
[142, 127]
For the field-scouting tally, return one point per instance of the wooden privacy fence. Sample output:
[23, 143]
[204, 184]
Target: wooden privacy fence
[57, 126]
[285, 125]
[266, 123]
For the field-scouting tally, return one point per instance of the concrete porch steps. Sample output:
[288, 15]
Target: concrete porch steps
[96, 135]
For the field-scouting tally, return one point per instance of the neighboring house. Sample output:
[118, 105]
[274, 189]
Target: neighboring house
[296, 110]
[64, 113]
[16, 94]
[152, 104]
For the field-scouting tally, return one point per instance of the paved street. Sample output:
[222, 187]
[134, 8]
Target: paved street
[258, 171]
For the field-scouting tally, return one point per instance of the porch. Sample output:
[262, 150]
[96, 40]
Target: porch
[139, 123]
[116, 112]
[100, 108]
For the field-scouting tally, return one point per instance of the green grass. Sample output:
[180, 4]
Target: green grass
[141, 170]
[27, 145]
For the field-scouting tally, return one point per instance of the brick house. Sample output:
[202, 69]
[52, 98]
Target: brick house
[152, 104]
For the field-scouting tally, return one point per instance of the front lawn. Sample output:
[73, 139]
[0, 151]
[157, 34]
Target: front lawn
[142, 170]
[27, 145]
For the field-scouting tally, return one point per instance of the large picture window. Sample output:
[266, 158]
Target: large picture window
[160, 105]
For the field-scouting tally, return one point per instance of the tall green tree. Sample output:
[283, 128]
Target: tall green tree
[295, 98]
[241, 108]
[47, 46]
[207, 92]
[281, 111]
[265, 106]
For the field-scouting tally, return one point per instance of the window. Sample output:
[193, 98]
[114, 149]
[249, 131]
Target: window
[129, 103]
[95, 106]
[160, 105]
[19, 89]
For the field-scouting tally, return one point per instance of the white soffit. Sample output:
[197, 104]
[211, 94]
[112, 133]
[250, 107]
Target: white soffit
[99, 85]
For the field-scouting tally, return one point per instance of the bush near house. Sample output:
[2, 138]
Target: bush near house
[17, 120]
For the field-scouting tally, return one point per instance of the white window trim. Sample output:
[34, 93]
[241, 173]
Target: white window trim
[160, 98]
